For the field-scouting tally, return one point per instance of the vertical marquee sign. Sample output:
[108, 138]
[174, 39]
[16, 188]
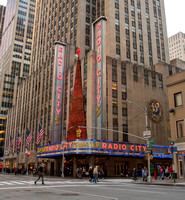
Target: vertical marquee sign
[58, 91]
[99, 45]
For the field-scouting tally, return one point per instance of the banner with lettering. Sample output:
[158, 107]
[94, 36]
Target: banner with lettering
[59, 66]
[99, 45]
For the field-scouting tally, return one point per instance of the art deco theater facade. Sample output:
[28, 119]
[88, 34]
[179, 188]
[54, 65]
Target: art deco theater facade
[81, 105]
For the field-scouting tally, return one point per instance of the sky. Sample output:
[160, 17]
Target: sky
[175, 15]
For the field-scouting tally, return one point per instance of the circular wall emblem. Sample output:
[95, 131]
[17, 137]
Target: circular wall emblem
[155, 111]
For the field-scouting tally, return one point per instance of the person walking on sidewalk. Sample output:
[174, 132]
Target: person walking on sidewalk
[90, 174]
[95, 174]
[135, 174]
[40, 173]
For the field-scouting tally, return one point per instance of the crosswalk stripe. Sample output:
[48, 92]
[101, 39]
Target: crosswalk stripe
[28, 182]
[16, 182]
[6, 183]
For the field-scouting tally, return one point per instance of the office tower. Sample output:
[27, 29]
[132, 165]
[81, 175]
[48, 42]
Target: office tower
[177, 46]
[136, 30]
[17, 37]
[2, 15]
[15, 51]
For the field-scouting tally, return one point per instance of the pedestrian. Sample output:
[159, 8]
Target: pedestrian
[90, 174]
[101, 173]
[143, 174]
[77, 172]
[170, 171]
[135, 174]
[161, 173]
[83, 172]
[40, 173]
[95, 174]
[167, 172]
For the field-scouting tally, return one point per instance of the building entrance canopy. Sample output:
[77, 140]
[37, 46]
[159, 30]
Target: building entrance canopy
[100, 147]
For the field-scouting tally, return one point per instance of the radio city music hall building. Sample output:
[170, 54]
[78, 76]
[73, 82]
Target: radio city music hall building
[97, 87]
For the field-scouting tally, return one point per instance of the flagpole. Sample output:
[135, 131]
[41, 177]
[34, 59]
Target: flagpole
[18, 160]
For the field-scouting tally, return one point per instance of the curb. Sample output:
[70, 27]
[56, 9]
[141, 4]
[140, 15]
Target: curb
[164, 184]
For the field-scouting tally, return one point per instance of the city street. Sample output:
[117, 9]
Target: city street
[22, 187]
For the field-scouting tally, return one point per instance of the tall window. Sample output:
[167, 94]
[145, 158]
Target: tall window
[178, 99]
[180, 129]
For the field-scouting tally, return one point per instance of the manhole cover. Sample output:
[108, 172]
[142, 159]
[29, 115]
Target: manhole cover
[43, 192]
[69, 194]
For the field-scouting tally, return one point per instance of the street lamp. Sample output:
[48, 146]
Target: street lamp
[64, 146]
[146, 128]
[64, 142]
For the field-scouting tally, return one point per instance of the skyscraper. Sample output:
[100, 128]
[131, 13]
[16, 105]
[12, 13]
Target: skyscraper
[2, 15]
[136, 30]
[177, 46]
[17, 37]
[15, 51]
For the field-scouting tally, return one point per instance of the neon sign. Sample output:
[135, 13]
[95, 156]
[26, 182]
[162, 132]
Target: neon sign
[58, 93]
[99, 45]
[98, 145]
[98, 70]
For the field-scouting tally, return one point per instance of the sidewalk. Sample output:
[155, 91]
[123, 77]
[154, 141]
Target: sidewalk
[167, 182]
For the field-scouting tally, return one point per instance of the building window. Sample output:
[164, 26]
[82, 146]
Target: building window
[178, 99]
[125, 130]
[114, 93]
[135, 73]
[115, 109]
[180, 129]
[124, 111]
[124, 95]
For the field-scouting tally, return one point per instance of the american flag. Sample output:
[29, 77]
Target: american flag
[18, 142]
[11, 143]
[39, 135]
[29, 138]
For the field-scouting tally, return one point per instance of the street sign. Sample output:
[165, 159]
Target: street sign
[147, 134]
[171, 143]
[173, 149]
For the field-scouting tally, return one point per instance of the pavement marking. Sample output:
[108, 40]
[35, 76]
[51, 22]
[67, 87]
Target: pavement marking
[87, 194]
[52, 186]
[6, 183]
[136, 190]
[16, 182]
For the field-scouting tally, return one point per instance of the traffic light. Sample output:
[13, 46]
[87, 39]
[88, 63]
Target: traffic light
[78, 133]
[28, 153]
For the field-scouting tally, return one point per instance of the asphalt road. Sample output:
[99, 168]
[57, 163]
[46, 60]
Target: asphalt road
[23, 188]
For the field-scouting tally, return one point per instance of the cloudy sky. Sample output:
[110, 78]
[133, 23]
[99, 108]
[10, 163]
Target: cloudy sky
[175, 15]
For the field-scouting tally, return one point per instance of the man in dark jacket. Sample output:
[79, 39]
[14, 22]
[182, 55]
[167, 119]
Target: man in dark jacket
[135, 174]
[40, 173]
[90, 173]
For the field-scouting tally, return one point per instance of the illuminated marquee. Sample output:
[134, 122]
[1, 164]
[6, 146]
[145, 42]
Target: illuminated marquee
[93, 145]
[58, 94]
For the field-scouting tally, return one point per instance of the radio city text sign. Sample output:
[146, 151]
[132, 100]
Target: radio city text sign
[99, 45]
[58, 91]
[93, 145]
